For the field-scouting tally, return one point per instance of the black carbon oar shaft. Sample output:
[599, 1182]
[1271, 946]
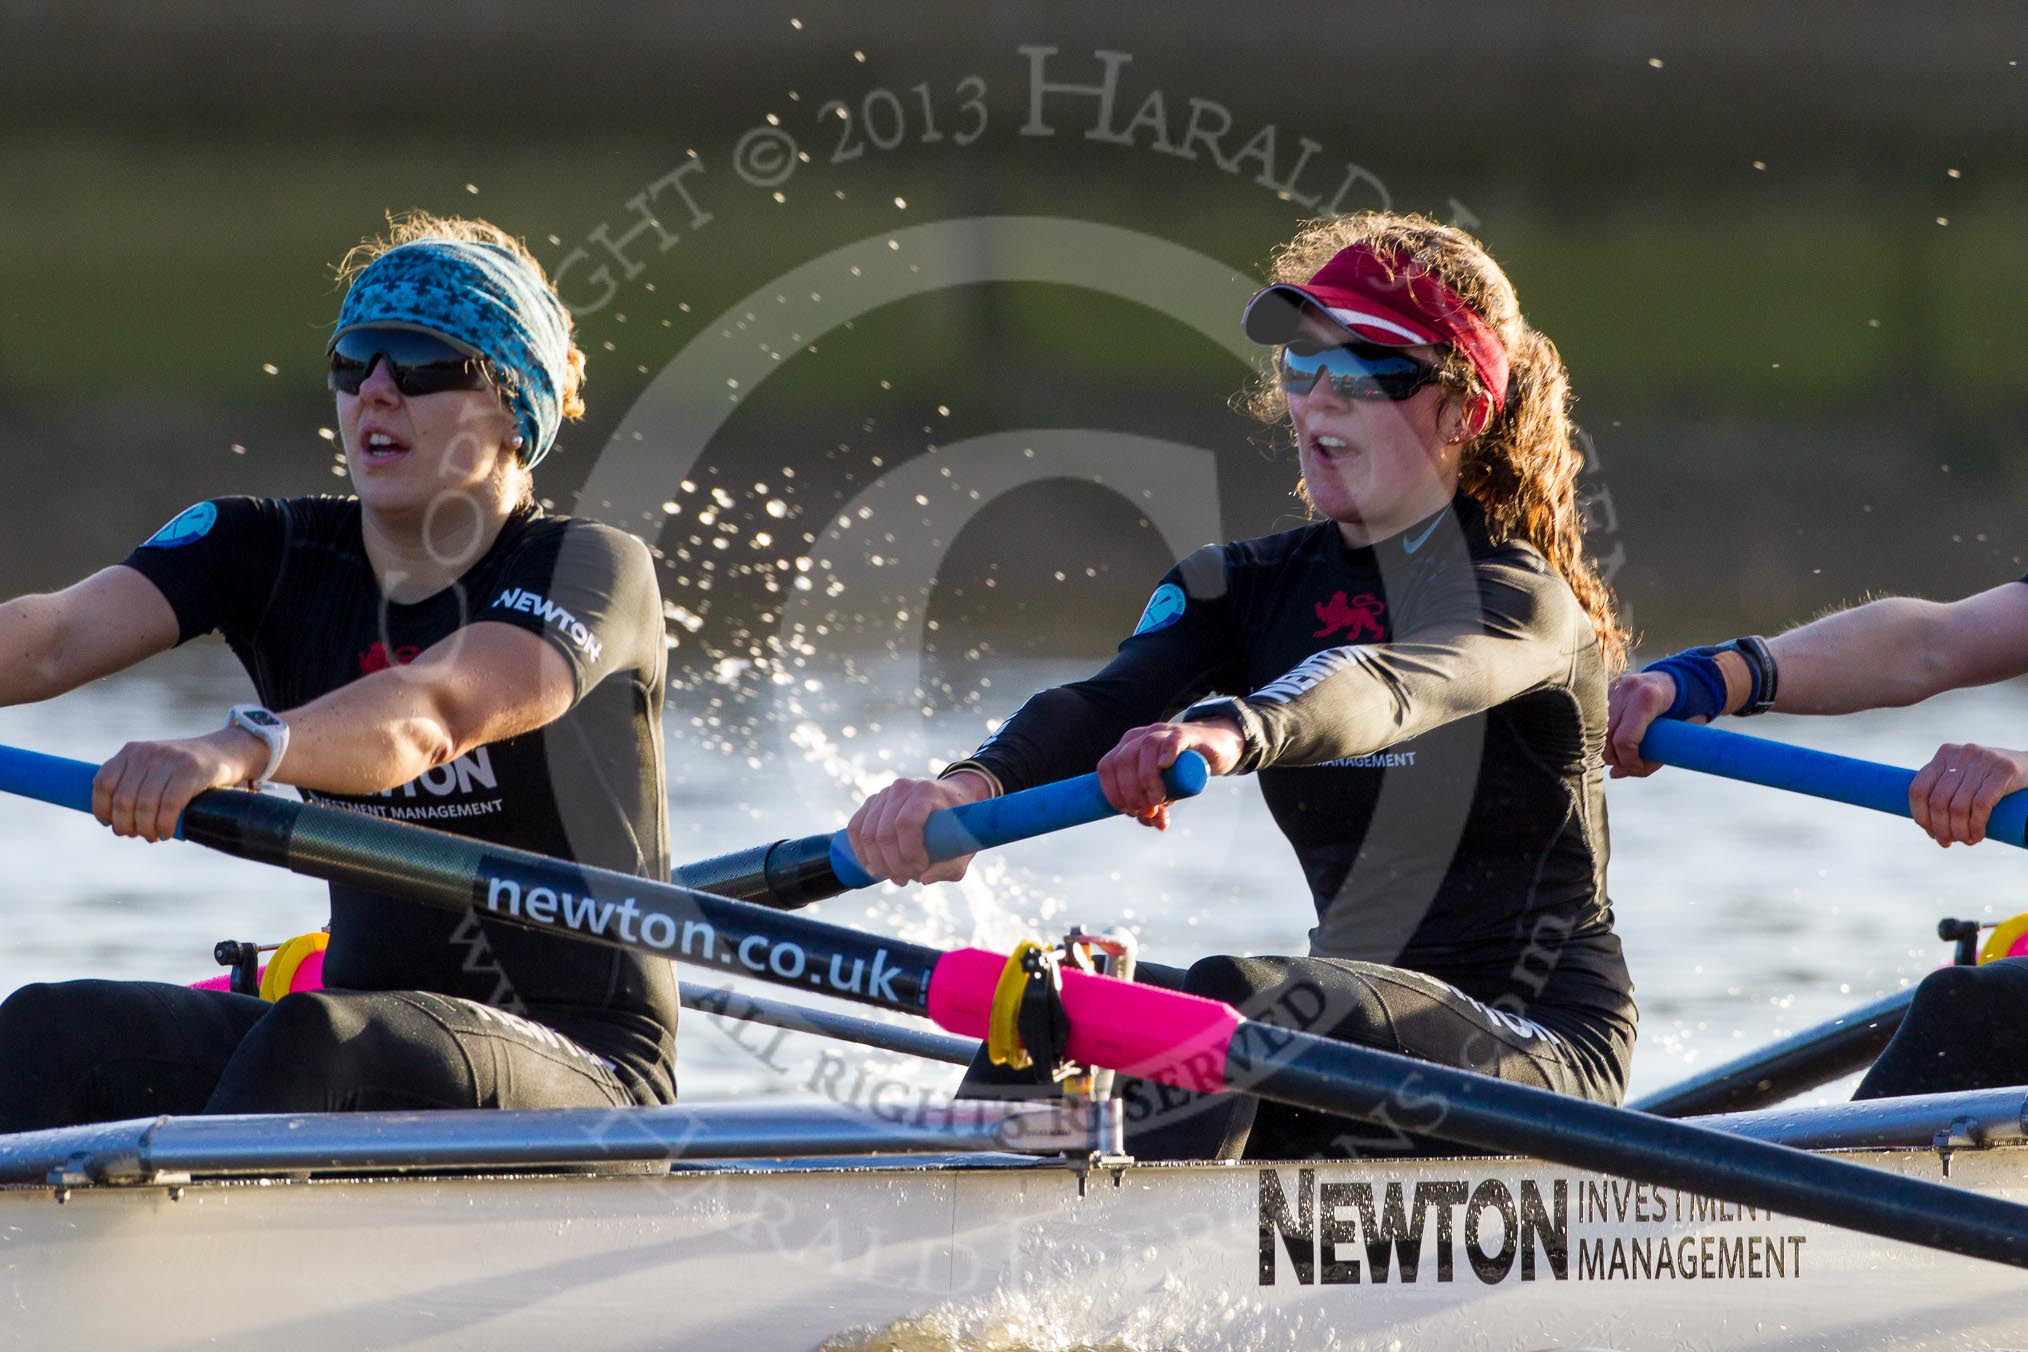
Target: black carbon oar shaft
[786, 874]
[1477, 1110]
[725, 1003]
[1299, 1068]
[460, 874]
[1783, 1069]
[659, 918]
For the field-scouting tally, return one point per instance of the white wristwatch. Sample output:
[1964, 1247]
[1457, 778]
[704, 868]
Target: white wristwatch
[266, 725]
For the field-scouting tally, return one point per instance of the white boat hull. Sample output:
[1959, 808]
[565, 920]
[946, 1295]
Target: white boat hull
[978, 1254]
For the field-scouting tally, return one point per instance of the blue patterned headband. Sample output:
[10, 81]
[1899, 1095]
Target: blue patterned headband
[487, 299]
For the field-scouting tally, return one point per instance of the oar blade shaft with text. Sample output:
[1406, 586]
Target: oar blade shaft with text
[1173, 1038]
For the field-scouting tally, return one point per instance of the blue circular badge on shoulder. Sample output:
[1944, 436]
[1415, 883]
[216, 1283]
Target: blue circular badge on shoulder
[1165, 607]
[194, 523]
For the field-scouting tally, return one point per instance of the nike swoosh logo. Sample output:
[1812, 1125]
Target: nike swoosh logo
[1409, 544]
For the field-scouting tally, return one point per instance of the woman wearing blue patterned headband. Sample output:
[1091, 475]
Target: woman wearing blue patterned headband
[434, 650]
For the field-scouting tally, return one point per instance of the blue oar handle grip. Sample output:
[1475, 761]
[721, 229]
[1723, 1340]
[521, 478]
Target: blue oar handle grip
[1777, 765]
[1019, 816]
[47, 779]
[62, 782]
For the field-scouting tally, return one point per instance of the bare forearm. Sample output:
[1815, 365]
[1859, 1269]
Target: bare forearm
[374, 734]
[1883, 654]
[30, 637]
[106, 623]
[489, 683]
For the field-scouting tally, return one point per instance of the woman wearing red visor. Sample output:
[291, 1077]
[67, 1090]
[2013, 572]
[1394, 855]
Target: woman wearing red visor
[1418, 679]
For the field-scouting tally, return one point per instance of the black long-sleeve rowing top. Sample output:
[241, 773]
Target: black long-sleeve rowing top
[1426, 717]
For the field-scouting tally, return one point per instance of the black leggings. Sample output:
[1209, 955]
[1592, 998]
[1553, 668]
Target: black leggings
[1569, 1051]
[1963, 1030]
[100, 1051]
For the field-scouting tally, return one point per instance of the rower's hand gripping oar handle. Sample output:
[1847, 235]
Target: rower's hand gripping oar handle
[1777, 765]
[949, 833]
[790, 874]
[1032, 812]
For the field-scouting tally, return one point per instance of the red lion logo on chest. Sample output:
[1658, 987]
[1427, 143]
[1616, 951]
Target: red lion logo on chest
[378, 658]
[1360, 616]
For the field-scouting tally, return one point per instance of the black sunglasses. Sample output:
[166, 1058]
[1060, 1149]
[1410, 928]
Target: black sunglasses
[1355, 370]
[417, 362]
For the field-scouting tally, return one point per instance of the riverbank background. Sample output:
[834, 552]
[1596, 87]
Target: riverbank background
[1779, 250]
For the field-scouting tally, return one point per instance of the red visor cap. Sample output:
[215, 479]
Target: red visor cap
[1395, 303]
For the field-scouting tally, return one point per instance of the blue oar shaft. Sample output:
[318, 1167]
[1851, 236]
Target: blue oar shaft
[1019, 816]
[788, 874]
[1777, 765]
[47, 779]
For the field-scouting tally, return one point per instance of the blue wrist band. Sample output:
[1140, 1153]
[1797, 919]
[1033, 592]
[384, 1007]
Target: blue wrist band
[1700, 685]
